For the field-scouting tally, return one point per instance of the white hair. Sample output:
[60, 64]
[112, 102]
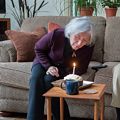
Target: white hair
[77, 25]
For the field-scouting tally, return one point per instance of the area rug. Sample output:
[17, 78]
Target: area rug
[9, 118]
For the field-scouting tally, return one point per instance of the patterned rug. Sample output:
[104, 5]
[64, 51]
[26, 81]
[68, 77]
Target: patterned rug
[9, 118]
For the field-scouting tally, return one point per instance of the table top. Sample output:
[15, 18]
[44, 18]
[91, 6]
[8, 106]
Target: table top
[59, 92]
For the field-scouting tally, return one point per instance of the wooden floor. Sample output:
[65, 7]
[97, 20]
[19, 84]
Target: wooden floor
[18, 116]
[77, 119]
[22, 118]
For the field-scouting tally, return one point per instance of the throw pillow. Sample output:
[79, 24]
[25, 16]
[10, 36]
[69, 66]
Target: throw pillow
[24, 43]
[52, 26]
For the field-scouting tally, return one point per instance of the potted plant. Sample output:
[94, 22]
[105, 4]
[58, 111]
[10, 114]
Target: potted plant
[110, 6]
[86, 7]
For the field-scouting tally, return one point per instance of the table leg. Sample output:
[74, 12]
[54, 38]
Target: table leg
[61, 108]
[96, 104]
[49, 114]
[102, 108]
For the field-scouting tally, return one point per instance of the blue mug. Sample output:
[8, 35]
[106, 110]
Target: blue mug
[72, 87]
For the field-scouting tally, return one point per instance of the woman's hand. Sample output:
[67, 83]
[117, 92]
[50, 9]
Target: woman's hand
[53, 71]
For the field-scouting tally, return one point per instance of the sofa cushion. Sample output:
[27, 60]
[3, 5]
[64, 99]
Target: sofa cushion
[11, 74]
[18, 101]
[94, 64]
[30, 24]
[104, 75]
[13, 99]
[98, 36]
[112, 39]
[89, 75]
[24, 43]
[15, 74]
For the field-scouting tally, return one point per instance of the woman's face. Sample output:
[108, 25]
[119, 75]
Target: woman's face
[79, 40]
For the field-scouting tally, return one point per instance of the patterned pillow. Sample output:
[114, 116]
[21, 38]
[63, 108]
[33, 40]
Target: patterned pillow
[24, 43]
[52, 26]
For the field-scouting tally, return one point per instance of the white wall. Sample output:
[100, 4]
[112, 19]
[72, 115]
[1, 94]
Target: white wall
[51, 9]
[48, 10]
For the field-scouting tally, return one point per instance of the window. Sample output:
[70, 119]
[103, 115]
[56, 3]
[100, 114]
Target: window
[2, 7]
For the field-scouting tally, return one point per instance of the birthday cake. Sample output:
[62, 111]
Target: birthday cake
[74, 77]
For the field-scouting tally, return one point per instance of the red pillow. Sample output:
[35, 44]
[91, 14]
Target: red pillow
[52, 26]
[24, 43]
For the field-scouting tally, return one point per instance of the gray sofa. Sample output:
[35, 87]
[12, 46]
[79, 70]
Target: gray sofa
[14, 76]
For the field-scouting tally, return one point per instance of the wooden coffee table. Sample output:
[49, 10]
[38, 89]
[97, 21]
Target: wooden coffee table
[98, 99]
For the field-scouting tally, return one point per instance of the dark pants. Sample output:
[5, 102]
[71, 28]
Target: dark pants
[118, 113]
[39, 84]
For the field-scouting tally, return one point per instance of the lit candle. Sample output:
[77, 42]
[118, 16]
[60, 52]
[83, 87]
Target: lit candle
[74, 68]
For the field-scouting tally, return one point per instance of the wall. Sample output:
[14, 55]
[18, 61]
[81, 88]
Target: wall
[53, 8]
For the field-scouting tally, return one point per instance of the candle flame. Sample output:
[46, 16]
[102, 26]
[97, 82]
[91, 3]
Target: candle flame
[74, 64]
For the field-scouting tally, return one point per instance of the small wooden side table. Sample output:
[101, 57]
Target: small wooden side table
[98, 99]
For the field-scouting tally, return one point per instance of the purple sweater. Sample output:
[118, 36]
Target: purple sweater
[51, 48]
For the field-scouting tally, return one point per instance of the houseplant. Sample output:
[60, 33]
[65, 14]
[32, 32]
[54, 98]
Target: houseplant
[110, 6]
[86, 7]
[23, 9]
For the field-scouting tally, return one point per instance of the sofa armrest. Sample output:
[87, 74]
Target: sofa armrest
[7, 51]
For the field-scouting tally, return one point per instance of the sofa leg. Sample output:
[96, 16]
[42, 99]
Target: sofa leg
[12, 114]
[118, 113]
[6, 114]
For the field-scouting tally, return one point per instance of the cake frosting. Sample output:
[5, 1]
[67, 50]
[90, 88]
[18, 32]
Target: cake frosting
[73, 77]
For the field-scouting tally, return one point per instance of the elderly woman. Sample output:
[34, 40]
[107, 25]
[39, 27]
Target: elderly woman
[54, 54]
[116, 90]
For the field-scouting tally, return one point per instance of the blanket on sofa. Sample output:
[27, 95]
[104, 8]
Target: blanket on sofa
[116, 87]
